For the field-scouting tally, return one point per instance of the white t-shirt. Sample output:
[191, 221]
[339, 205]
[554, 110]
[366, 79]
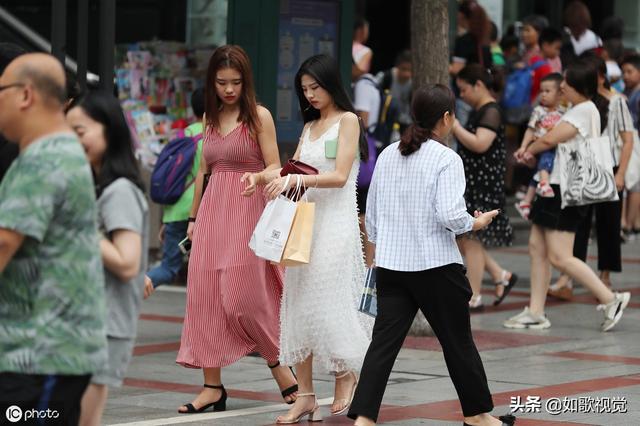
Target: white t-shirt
[367, 99]
[588, 40]
[358, 51]
[614, 71]
[586, 119]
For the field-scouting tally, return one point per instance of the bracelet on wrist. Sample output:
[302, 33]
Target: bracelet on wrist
[192, 219]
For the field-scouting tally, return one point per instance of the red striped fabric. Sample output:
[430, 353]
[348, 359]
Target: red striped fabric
[233, 297]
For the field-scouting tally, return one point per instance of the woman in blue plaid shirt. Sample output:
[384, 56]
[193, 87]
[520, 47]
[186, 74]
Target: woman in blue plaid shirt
[415, 211]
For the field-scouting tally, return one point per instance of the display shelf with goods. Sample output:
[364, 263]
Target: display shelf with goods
[154, 81]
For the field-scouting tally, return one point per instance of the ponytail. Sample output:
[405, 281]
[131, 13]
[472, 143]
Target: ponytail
[412, 138]
[492, 78]
[429, 105]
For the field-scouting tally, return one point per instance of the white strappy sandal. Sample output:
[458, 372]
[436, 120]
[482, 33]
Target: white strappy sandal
[314, 413]
[353, 392]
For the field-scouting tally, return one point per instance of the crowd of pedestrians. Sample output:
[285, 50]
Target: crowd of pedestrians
[390, 193]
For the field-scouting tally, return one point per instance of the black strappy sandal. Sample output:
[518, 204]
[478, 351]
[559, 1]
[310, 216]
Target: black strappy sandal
[508, 286]
[291, 389]
[219, 405]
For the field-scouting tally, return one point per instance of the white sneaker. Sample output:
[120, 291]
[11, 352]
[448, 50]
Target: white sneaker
[613, 310]
[526, 319]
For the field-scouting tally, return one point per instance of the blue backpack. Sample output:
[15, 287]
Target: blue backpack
[517, 90]
[517, 93]
[169, 177]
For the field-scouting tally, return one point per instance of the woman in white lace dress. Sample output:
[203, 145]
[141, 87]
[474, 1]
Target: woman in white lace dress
[320, 323]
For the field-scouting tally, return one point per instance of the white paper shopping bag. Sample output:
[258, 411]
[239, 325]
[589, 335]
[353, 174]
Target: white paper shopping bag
[272, 230]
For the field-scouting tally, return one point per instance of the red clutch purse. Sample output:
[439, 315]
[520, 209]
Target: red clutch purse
[295, 167]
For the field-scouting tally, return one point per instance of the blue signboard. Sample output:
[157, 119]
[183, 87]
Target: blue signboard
[306, 28]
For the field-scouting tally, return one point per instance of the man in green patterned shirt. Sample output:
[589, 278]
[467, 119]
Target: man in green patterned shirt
[52, 312]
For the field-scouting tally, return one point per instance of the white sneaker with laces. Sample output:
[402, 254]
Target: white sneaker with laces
[527, 319]
[613, 310]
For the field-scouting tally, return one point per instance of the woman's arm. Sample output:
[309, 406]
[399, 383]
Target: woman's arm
[121, 256]
[364, 64]
[450, 208]
[269, 149]
[625, 156]
[267, 140]
[267, 176]
[478, 142]
[197, 195]
[348, 143]
[562, 132]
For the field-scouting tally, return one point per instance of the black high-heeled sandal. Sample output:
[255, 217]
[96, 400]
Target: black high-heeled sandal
[291, 389]
[219, 405]
[508, 286]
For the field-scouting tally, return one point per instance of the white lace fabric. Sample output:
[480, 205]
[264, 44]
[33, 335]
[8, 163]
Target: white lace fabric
[319, 314]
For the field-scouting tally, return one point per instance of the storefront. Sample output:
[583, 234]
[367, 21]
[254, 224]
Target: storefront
[154, 79]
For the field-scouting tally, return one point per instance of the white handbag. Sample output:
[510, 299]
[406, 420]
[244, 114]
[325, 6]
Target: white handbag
[586, 170]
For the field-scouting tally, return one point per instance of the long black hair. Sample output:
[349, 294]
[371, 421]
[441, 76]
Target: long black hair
[324, 70]
[601, 102]
[582, 75]
[119, 160]
[428, 106]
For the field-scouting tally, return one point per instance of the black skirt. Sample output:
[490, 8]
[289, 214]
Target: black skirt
[361, 196]
[547, 212]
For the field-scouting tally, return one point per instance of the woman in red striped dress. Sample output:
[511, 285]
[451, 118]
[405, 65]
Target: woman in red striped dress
[233, 297]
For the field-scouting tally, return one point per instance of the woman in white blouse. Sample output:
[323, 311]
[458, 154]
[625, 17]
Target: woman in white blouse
[554, 228]
[415, 211]
[619, 127]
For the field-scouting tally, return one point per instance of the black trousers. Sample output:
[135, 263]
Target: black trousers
[608, 217]
[442, 294]
[43, 399]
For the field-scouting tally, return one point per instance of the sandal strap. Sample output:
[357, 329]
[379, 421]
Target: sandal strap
[306, 394]
[190, 408]
[290, 390]
[345, 374]
[503, 280]
[277, 364]
[214, 386]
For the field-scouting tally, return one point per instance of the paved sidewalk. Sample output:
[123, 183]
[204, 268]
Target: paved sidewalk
[596, 372]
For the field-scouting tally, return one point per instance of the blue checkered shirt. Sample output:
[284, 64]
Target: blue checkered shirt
[416, 207]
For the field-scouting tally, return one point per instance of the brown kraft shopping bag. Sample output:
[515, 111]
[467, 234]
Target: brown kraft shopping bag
[297, 251]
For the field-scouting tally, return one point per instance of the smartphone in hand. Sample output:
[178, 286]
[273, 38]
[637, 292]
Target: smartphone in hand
[185, 246]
